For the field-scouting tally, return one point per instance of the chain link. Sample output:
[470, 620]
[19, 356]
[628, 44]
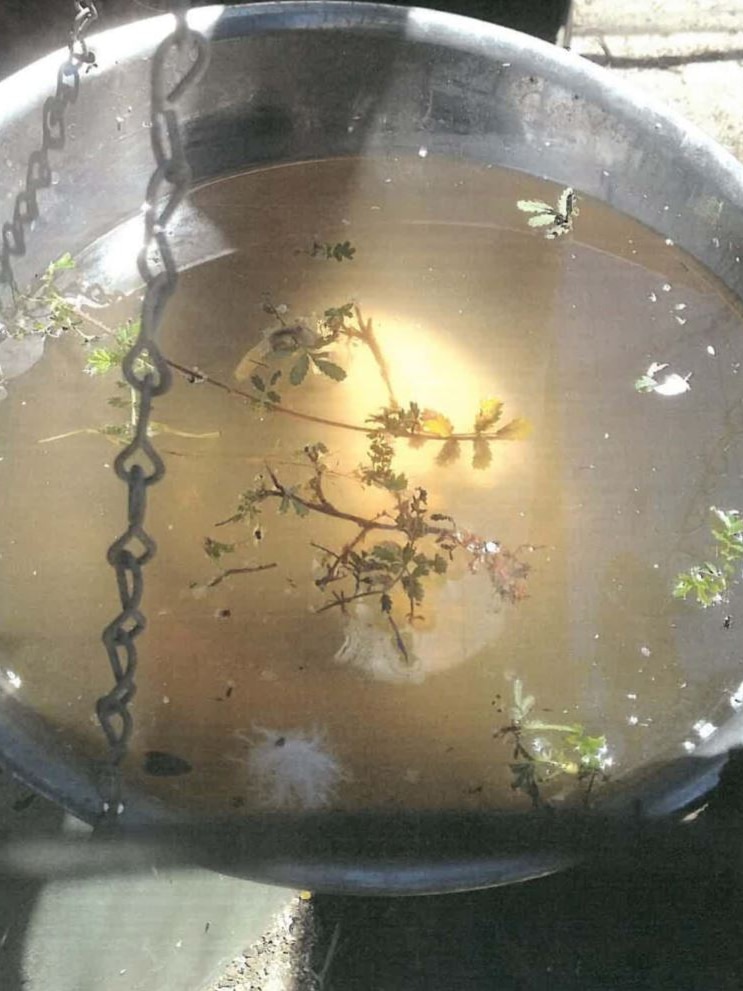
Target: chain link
[53, 137]
[139, 465]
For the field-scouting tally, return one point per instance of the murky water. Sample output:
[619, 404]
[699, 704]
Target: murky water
[557, 550]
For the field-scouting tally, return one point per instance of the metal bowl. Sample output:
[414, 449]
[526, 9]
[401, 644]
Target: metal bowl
[468, 90]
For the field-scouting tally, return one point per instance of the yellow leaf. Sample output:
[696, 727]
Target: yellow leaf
[305, 896]
[436, 424]
[515, 430]
[490, 412]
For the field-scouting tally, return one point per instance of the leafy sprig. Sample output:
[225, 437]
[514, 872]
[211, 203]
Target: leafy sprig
[545, 751]
[710, 582]
[338, 251]
[558, 220]
[420, 545]
[42, 309]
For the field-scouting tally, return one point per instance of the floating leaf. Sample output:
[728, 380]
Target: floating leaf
[566, 203]
[299, 369]
[436, 424]
[273, 397]
[645, 384]
[258, 382]
[535, 206]
[490, 412]
[65, 261]
[449, 453]
[330, 369]
[482, 456]
[542, 220]
[517, 429]
[275, 377]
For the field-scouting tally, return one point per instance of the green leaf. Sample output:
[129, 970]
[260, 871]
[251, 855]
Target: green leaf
[387, 551]
[645, 384]
[566, 204]
[541, 220]
[343, 250]
[386, 603]
[535, 206]
[214, 549]
[440, 564]
[258, 382]
[274, 397]
[330, 369]
[339, 312]
[299, 508]
[397, 483]
[413, 588]
[99, 362]
[65, 261]
[299, 369]
[275, 377]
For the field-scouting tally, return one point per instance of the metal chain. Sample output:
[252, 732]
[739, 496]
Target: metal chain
[54, 134]
[145, 369]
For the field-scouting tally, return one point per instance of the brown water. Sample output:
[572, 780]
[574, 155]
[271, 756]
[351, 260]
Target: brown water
[272, 700]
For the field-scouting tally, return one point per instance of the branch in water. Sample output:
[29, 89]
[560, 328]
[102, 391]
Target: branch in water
[239, 571]
[373, 344]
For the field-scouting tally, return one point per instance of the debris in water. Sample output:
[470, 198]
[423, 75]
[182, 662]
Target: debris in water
[292, 769]
[671, 384]
[160, 764]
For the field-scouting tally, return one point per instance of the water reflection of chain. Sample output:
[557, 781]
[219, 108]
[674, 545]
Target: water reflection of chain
[145, 369]
[54, 134]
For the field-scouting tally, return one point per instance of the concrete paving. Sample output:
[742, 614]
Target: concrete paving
[687, 53]
[174, 930]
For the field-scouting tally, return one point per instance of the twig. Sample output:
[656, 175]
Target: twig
[398, 638]
[239, 571]
[366, 334]
[310, 417]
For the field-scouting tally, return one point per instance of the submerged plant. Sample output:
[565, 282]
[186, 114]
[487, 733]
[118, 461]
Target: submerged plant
[292, 348]
[543, 752]
[339, 251]
[42, 309]
[558, 220]
[709, 582]
[105, 358]
[420, 543]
